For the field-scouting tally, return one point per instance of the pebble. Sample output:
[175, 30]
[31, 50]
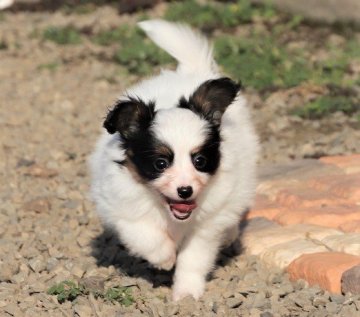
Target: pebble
[332, 308]
[13, 310]
[83, 310]
[51, 264]
[37, 264]
[234, 302]
[93, 283]
[8, 270]
[40, 205]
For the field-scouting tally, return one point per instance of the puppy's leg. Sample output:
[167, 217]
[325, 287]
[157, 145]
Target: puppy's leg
[148, 241]
[194, 262]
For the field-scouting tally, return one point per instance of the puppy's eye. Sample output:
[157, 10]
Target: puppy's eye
[161, 164]
[199, 161]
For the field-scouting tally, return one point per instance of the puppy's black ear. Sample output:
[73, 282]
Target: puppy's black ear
[129, 117]
[212, 98]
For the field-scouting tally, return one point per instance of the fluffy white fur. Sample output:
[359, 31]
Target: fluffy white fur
[136, 212]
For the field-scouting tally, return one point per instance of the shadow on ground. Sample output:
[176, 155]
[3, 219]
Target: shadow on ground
[108, 250]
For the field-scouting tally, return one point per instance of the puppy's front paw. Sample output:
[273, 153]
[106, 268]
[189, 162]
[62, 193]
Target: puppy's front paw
[164, 257]
[167, 264]
[191, 285]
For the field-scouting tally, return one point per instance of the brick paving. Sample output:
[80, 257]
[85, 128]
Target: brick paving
[306, 220]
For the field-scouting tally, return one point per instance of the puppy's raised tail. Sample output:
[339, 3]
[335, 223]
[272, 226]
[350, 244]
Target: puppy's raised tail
[189, 48]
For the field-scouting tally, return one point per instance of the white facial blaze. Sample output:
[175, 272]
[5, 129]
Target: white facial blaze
[184, 132]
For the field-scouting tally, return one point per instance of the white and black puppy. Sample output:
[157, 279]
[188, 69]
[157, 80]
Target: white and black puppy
[175, 168]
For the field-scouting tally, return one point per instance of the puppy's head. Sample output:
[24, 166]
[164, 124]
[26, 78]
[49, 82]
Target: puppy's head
[176, 150]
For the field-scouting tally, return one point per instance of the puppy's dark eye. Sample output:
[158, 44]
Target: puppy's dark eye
[161, 164]
[199, 161]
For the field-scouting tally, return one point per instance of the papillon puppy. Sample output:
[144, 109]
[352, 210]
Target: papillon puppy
[175, 168]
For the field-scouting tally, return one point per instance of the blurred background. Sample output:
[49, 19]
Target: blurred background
[299, 63]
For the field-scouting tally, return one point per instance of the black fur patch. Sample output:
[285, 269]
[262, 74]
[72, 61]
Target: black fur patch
[128, 117]
[211, 99]
[211, 151]
[132, 118]
[143, 150]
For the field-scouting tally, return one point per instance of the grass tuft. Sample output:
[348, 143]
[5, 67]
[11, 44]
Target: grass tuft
[259, 62]
[62, 35]
[69, 291]
[211, 15]
[326, 105]
[66, 291]
[121, 295]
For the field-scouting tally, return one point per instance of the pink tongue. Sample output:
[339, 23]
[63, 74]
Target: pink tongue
[185, 208]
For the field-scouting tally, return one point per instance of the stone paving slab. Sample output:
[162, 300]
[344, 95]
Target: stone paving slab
[312, 229]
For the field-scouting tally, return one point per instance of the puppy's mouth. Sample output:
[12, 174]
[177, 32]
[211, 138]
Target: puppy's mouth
[181, 210]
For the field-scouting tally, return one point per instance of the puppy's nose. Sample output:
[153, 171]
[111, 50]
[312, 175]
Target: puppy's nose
[185, 192]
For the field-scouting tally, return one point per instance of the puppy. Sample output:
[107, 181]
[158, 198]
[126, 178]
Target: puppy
[175, 167]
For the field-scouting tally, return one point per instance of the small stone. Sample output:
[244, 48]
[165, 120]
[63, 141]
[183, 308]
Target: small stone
[77, 271]
[83, 310]
[13, 310]
[332, 308]
[319, 301]
[337, 298]
[37, 170]
[71, 204]
[83, 220]
[93, 283]
[40, 205]
[259, 300]
[266, 314]
[301, 299]
[234, 302]
[51, 264]
[24, 162]
[350, 280]
[37, 287]
[37, 264]
[8, 270]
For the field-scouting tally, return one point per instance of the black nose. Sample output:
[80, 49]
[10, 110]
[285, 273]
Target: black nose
[185, 192]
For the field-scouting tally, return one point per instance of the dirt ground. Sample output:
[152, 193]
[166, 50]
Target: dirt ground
[50, 120]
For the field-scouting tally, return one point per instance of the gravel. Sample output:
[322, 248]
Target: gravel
[49, 232]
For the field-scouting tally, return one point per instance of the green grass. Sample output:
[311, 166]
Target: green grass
[258, 62]
[326, 105]
[62, 35]
[69, 291]
[121, 295]
[261, 59]
[113, 36]
[66, 291]
[332, 70]
[137, 53]
[262, 62]
[211, 15]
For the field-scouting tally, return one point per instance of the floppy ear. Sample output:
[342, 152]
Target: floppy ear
[212, 98]
[128, 117]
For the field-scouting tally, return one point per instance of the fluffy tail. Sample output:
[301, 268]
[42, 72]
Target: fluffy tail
[189, 48]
